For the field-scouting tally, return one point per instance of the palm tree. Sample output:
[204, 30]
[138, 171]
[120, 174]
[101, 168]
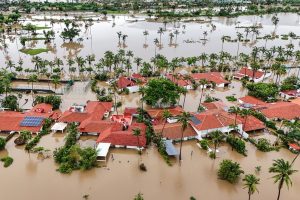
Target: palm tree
[145, 33]
[176, 33]
[223, 38]
[283, 171]
[236, 110]
[160, 32]
[216, 138]
[202, 83]
[165, 115]
[142, 92]
[119, 36]
[239, 37]
[138, 62]
[245, 113]
[275, 21]
[184, 120]
[137, 133]
[250, 183]
[184, 91]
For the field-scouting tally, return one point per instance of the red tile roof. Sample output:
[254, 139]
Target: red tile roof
[139, 77]
[179, 80]
[124, 82]
[214, 105]
[157, 113]
[173, 131]
[245, 71]
[282, 110]
[215, 77]
[124, 138]
[214, 119]
[89, 126]
[252, 100]
[130, 111]
[294, 146]
[291, 92]
[252, 123]
[94, 110]
[10, 120]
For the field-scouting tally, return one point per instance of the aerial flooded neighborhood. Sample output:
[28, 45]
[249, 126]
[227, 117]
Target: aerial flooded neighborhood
[149, 99]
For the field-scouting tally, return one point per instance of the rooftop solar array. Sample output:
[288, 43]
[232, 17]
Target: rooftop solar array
[195, 120]
[32, 121]
[170, 149]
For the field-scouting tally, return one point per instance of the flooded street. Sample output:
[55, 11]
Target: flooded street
[32, 178]
[37, 179]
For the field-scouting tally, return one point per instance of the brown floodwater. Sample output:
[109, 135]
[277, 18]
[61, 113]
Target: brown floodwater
[102, 36]
[30, 177]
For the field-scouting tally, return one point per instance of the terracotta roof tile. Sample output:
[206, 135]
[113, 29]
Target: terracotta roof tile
[249, 72]
[173, 131]
[124, 138]
[282, 110]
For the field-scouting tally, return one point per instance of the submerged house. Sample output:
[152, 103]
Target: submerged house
[132, 83]
[180, 80]
[170, 129]
[89, 117]
[290, 94]
[213, 120]
[32, 120]
[119, 137]
[255, 76]
[281, 111]
[213, 78]
[251, 102]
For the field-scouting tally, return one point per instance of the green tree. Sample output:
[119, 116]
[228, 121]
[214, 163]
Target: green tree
[229, 171]
[216, 137]
[283, 171]
[166, 114]
[161, 92]
[184, 120]
[139, 196]
[137, 132]
[250, 183]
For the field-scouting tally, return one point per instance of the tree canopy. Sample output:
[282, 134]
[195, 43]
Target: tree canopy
[161, 92]
[263, 91]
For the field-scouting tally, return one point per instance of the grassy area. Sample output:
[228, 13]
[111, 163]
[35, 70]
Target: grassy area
[34, 38]
[34, 52]
[117, 12]
[37, 27]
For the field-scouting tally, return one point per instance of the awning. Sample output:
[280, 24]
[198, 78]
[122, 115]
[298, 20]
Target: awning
[170, 149]
[59, 126]
[102, 149]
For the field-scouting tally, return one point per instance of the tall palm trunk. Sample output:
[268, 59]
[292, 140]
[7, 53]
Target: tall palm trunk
[184, 101]
[279, 188]
[181, 140]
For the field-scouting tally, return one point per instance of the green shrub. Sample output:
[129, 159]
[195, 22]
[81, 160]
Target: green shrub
[7, 161]
[229, 171]
[238, 144]
[204, 144]
[231, 98]
[264, 145]
[2, 143]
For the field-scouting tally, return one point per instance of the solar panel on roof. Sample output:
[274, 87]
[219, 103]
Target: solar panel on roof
[195, 120]
[32, 121]
[170, 149]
